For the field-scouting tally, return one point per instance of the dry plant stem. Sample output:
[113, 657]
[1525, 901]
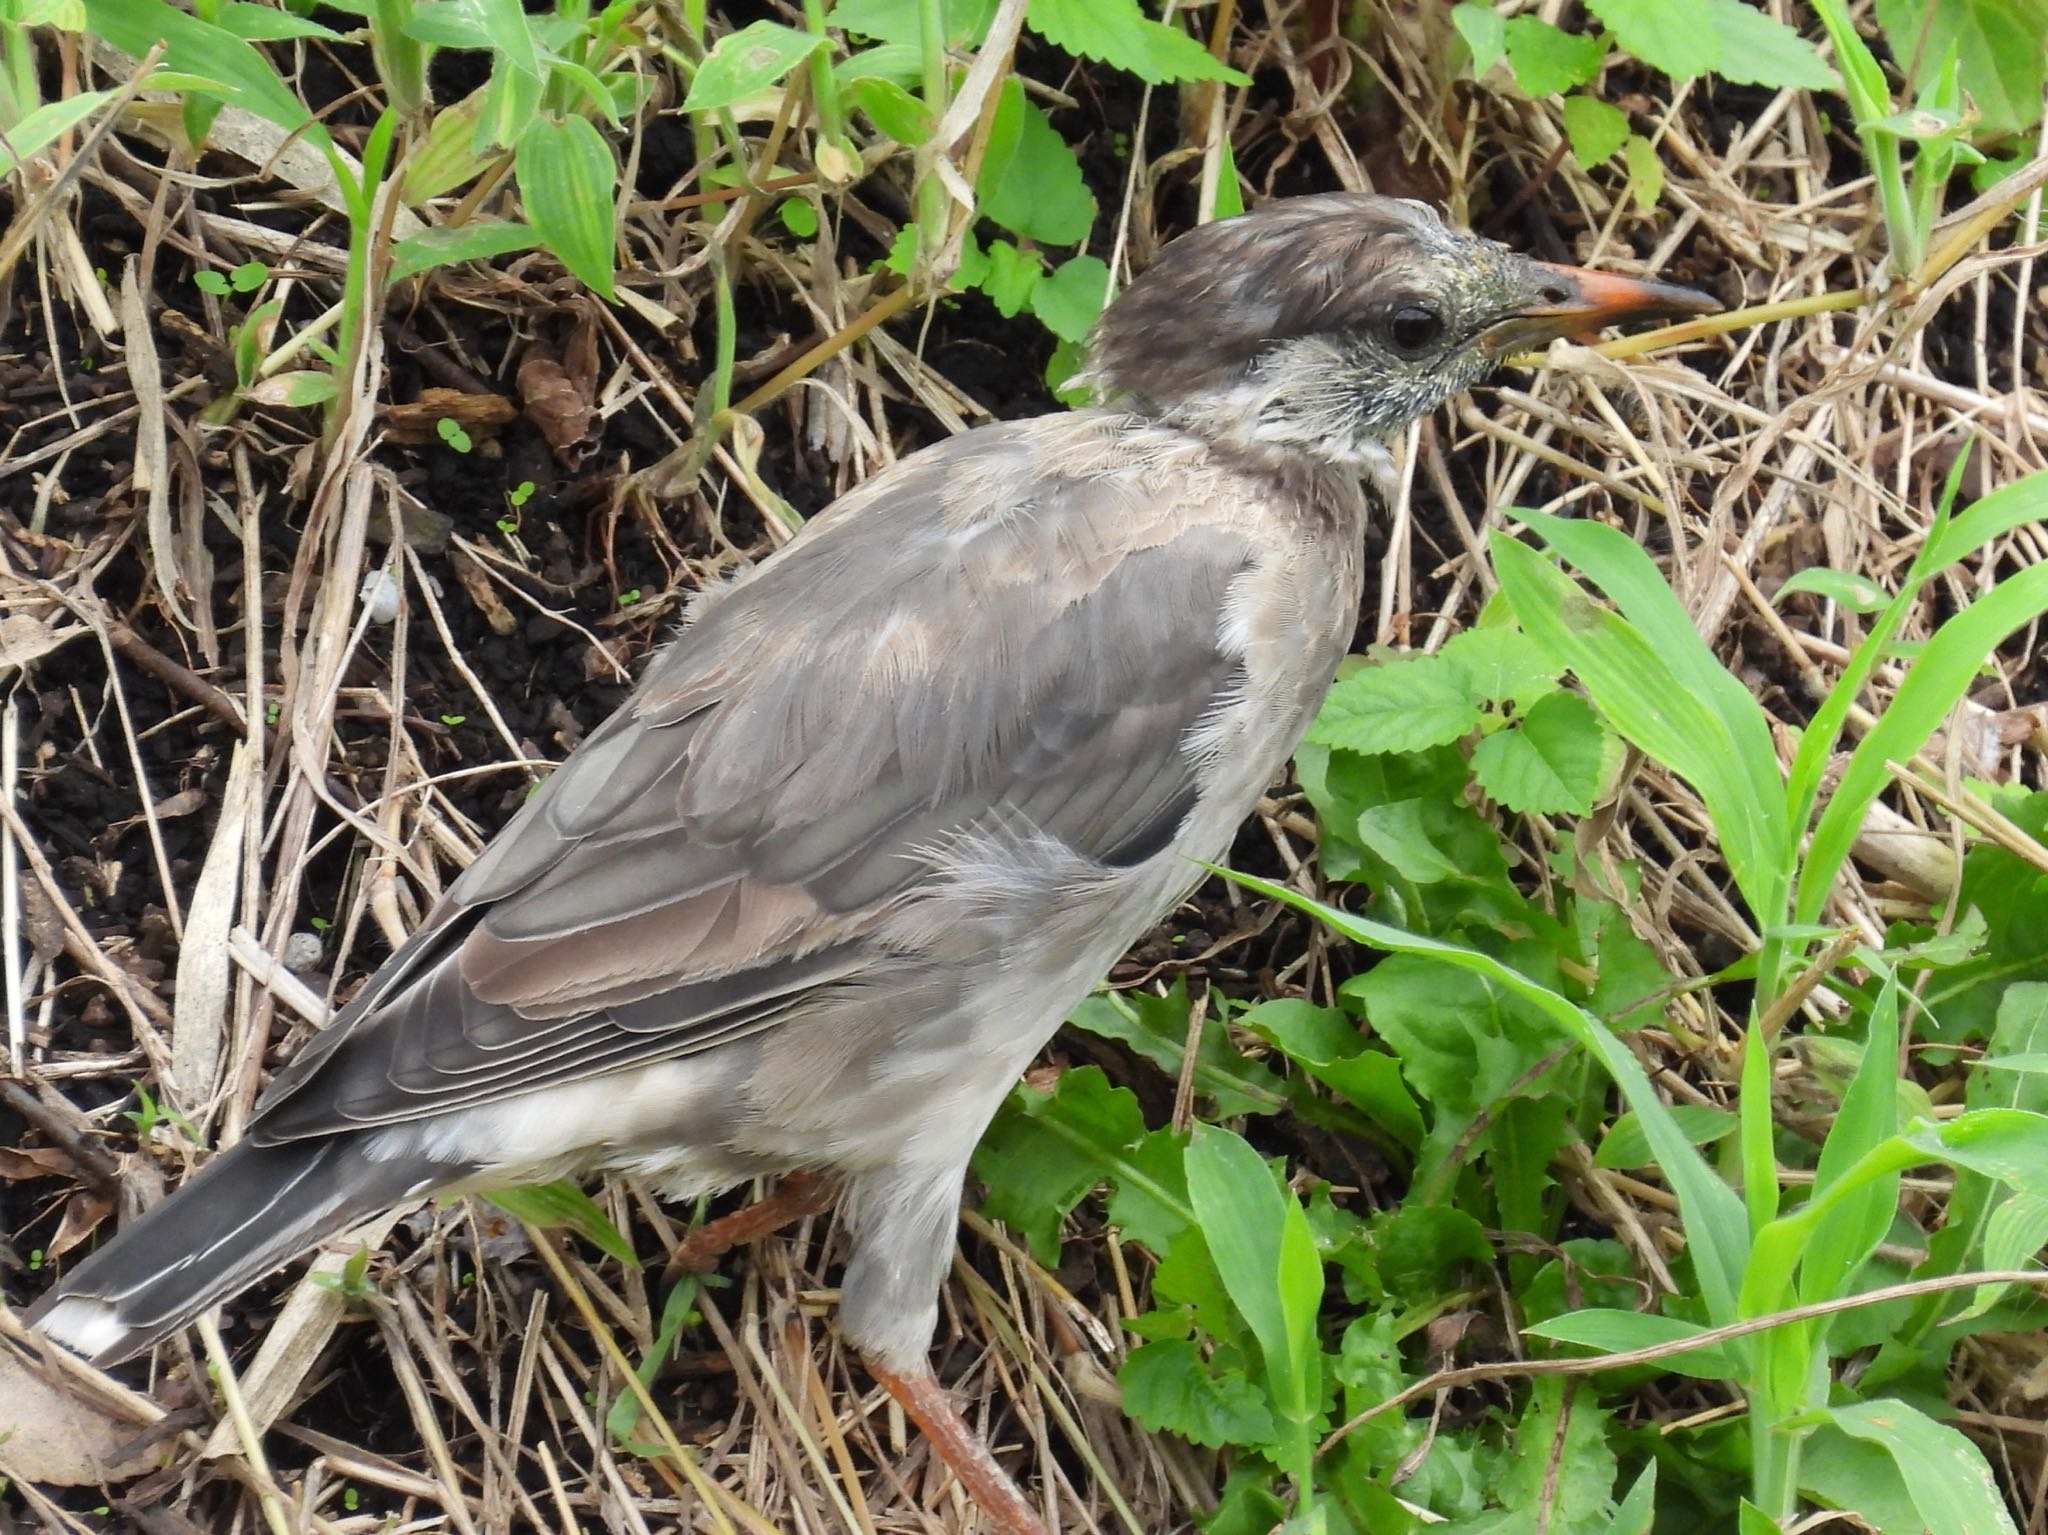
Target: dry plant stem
[722, 1504]
[245, 1427]
[925, 1402]
[1734, 320]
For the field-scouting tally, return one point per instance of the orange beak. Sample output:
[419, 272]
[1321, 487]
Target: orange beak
[1571, 301]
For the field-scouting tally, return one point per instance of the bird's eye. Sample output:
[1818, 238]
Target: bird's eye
[1413, 328]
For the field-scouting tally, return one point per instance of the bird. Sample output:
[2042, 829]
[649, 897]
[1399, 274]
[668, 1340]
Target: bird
[895, 799]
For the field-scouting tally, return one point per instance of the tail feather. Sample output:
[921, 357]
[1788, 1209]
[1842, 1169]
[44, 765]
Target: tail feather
[250, 1210]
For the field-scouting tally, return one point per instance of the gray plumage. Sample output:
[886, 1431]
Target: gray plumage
[894, 801]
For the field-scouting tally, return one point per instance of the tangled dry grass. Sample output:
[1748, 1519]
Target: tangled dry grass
[182, 600]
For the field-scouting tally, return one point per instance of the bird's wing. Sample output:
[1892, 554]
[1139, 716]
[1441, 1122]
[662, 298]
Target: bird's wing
[1015, 629]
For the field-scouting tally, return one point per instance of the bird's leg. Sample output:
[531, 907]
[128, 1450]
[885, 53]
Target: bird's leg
[927, 1405]
[799, 1194]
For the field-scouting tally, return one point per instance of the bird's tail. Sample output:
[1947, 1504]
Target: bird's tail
[251, 1209]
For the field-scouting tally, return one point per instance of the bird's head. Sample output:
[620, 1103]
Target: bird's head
[1323, 325]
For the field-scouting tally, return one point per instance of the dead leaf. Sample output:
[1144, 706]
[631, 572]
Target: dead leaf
[25, 637]
[56, 1438]
[482, 592]
[418, 423]
[83, 1213]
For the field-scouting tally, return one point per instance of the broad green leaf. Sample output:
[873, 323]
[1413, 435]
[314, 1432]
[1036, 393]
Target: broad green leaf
[46, 124]
[1229, 1084]
[1645, 171]
[1501, 666]
[745, 63]
[1729, 38]
[567, 181]
[1546, 59]
[892, 109]
[267, 24]
[1010, 277]
[237, 71]
[432, 248]
[2009, 507]
[1046, 1152]
[1837, 1471]
[1638, 1511]
[1326, 1044]
[1398, 706]
[1574, 1480]
[1030, 182]
[1117, 33]
[1553, 761]
[896, 21]
[1071, 298]
[1608, 1331]
[1998, 53]
[563, 1204]
[1266, 1257]
[1626, 1143]
[1595, 128]
[1945, 1474]
[1170, 1388]
[1484, 33]
[1844, 588]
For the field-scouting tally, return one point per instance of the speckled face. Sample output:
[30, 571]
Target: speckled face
[1329, 323]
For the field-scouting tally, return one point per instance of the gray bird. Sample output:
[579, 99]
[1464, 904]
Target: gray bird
[896, 799]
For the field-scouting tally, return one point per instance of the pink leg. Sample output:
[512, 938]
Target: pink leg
[926, 1403]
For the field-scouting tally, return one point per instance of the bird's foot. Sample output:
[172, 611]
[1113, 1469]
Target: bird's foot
[799, 1194]
[927, 1405]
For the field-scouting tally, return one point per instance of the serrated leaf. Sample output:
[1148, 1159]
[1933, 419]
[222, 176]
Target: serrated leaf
[1999, 57]
[1046, 1152]
[1010, 277]
[1501, 666]
[1117, 33]
[1553, 761]
[563, 1204]
[1030, 182]
[1481, 27]
[1170, 1388]
[1326, 1044]
[1071, 298]
[746, 63]
[1729, 38]
[566, 183]
[1399, 706]
[1595, 128]
[1157, 1029]
[1547, 59]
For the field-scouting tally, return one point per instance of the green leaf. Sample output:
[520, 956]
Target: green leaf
[1607, 1331]
[432, 248]
[892, 109]
[1481, 27]
[266, 24]
[1266, 1257]
[1638, 1511]
[1596, 129]
[1398, 706]
[1030, 182]
[747, 62]
[1546, 59]
[1071, 298]
[1626, 1144]
[1944, 1473]
[46, 124]
[1157, 1028]
[1011, 276]
[1170, 1388]
[1846, 589]
[1868, 1117]
[1729, 38]
[1046, 1152]
[567, 180]
[562, 1204]
[1999, 57]
[235, 70]
[1118, 33]
[1327, 1045]
[1553, 761]
[965, 22]
[1501, 666]
[677, 1312]
[1645, 171]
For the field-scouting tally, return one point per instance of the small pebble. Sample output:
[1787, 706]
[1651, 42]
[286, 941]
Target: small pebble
[380, 595]
[302, 951]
